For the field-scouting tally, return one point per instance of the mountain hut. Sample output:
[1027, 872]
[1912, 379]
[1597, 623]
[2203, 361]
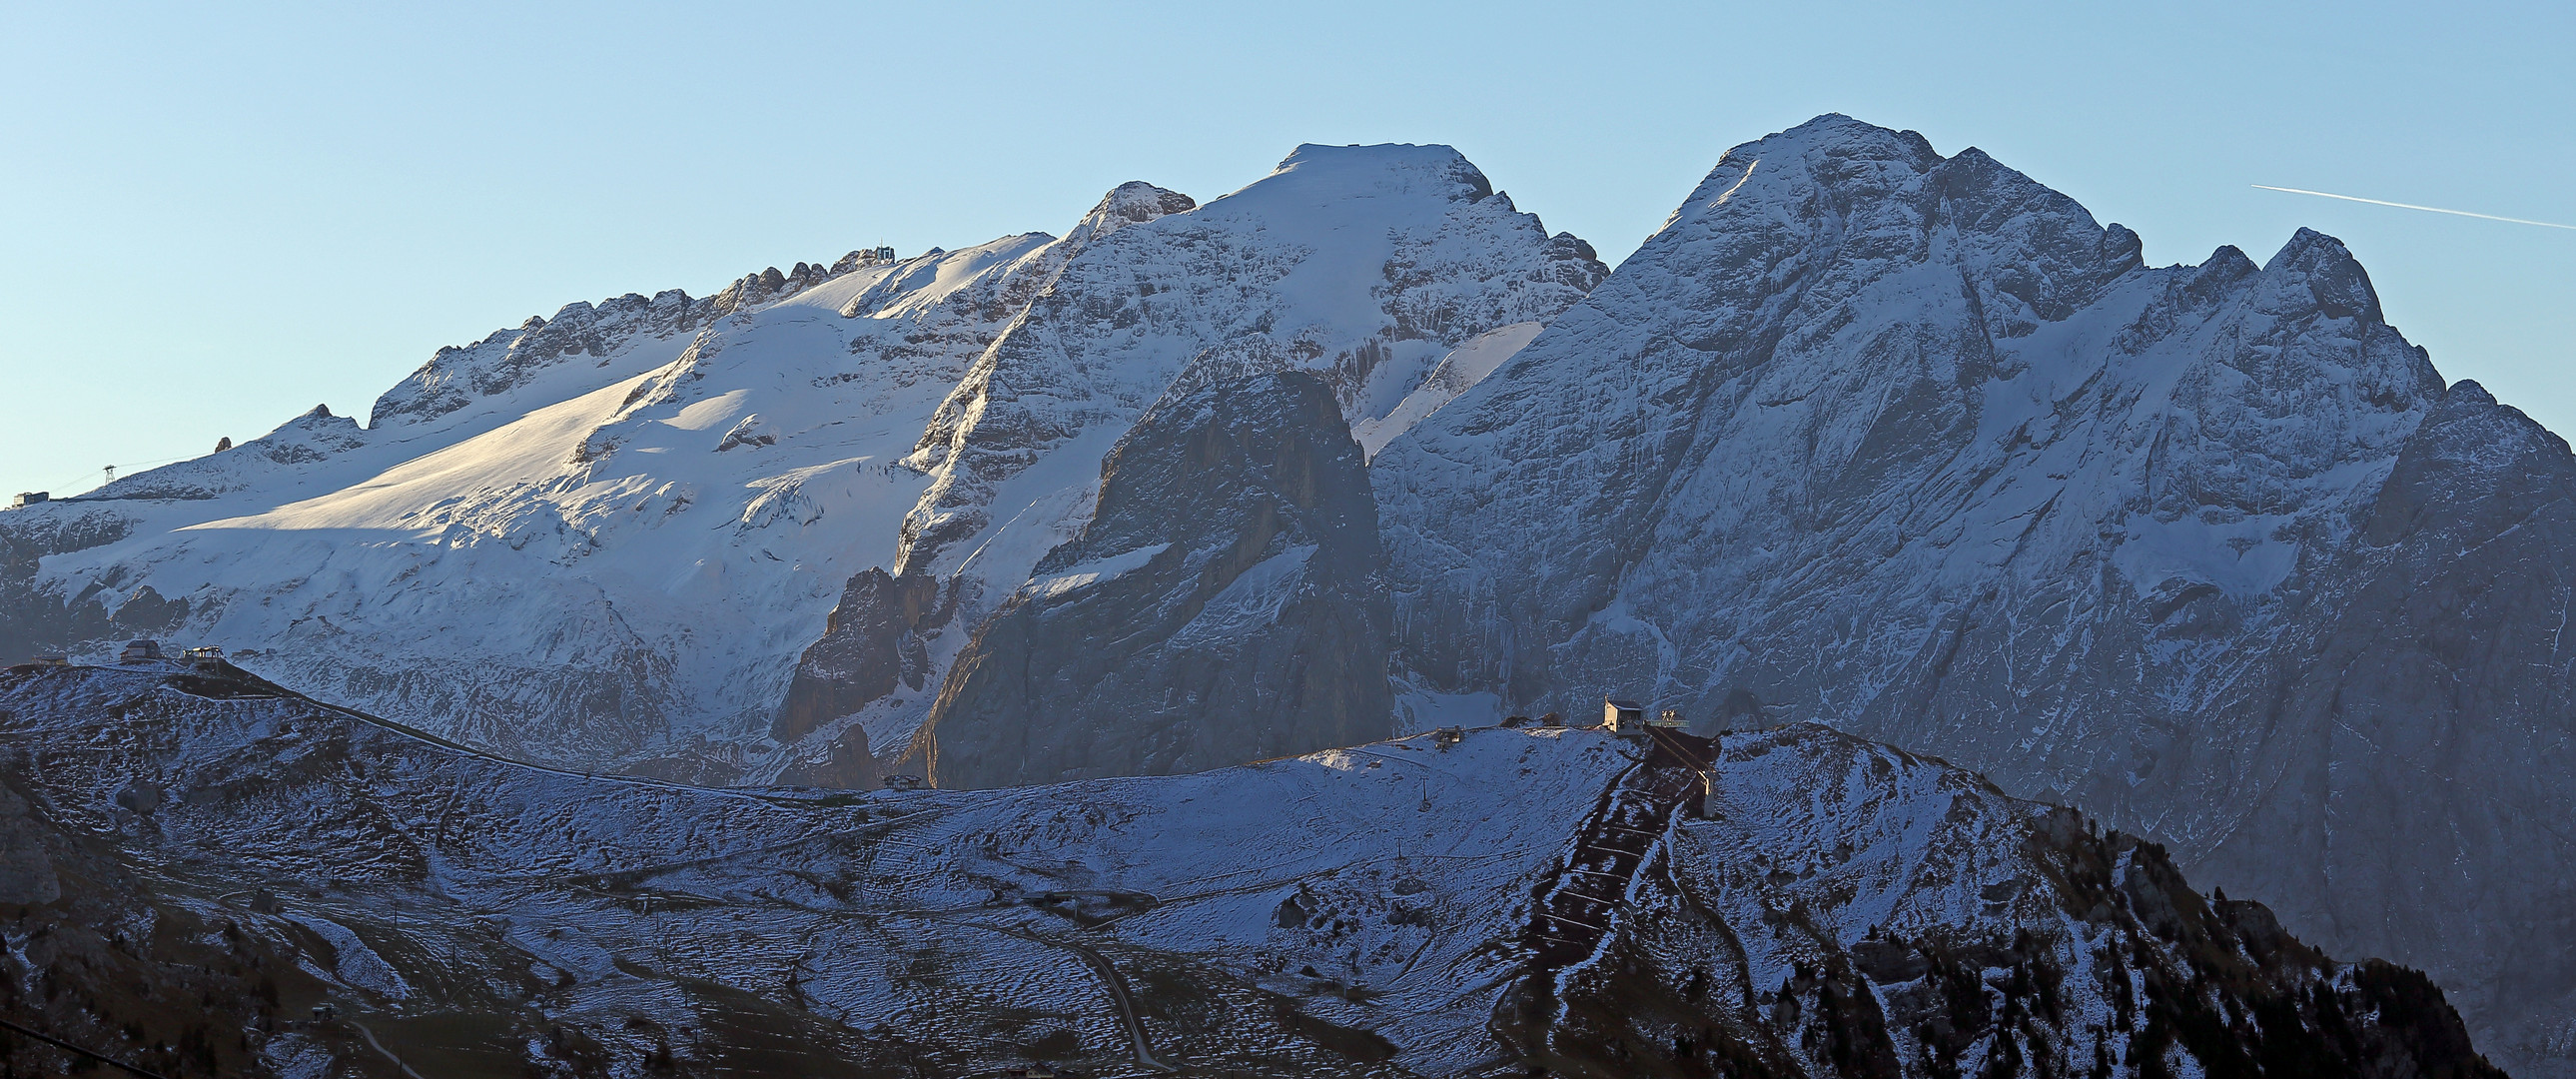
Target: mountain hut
[1623, 717]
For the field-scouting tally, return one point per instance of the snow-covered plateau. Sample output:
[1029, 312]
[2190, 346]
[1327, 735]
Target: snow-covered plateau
[1865, 438]
[212, 856]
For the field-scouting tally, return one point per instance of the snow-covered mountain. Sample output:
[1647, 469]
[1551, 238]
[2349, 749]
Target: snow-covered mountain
[1567, 900]
[1909, 445]
[1902, 444]
[678, 536]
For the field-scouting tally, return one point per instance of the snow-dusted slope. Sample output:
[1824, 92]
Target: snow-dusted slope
[1911, 446]
[592, 547]
[1521, 898]
[608, 537]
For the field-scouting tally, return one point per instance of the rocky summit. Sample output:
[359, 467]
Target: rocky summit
[1866, 442]
[1910, 446]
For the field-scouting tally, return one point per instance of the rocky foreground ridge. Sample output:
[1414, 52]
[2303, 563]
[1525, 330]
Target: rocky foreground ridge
[197, 856]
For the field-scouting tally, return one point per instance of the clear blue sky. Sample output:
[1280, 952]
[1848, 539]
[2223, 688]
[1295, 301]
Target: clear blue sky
[211, 219]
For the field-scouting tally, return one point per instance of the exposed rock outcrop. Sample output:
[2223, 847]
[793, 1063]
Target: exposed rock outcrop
[36, 619]
[1222, 605]
[1759, 942]
[871, 645]
[508, 360]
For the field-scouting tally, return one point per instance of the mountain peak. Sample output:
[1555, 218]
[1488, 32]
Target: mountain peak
[1863, 162]
[1317, 173]
[2341, 286]
[1834, 129]
[1134, 203]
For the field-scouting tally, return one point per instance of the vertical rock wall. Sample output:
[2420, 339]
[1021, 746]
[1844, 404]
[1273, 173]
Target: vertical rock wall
[1220, 607]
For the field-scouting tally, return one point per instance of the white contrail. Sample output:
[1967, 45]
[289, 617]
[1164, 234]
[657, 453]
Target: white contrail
[2412, 206]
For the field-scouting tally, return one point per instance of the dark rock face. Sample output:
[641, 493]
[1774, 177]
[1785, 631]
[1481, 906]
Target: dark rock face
[870, 645]
[1220, 606]
[2426, 716]
[33, 619]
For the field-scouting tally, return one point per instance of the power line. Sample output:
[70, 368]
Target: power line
[69, 483]
[58, 1043]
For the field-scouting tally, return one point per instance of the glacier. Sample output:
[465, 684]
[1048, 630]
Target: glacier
[616, 538]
